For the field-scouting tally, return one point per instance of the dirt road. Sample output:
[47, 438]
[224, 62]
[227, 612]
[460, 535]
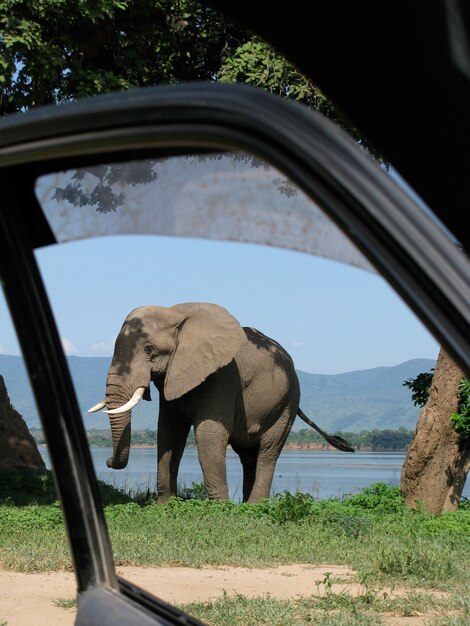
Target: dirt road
[35, 599]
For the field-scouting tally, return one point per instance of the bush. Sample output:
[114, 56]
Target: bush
[461, 419]
[22, 487]
[379, 497]
[287, 507]
[464, 504]
[31, 518]
[197, 491]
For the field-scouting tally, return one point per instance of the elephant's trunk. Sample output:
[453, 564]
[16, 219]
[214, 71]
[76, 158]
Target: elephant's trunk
[121, 434]
[117, 395]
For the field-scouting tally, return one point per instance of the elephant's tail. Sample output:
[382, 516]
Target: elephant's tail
[335, 441]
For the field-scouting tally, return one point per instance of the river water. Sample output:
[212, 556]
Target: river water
[324, 474]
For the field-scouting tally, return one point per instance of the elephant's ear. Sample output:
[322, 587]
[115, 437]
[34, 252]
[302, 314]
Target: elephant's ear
[208, 338]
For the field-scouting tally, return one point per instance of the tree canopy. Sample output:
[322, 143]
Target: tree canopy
[57, 50]
[52, 51]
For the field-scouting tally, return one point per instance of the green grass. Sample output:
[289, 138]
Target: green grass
[331, 609]
[66, 603]
[372, 532]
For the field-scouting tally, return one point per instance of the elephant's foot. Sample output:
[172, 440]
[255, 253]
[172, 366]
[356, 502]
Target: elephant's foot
[218, 494]
[164, 494]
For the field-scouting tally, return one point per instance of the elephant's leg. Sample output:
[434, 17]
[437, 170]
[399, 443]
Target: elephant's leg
[264, 477]
[271, 444]
[171, 439]
[212, 438]
[248, 458]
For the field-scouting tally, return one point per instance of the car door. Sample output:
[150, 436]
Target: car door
[47, 157]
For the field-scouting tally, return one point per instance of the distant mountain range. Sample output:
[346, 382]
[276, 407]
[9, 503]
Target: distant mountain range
[354, 401]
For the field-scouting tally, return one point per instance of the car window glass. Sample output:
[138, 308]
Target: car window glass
[231, 196]
[334, 319]
[18, 412]
[32, 535]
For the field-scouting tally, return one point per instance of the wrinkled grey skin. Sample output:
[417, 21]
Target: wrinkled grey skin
[234, 384]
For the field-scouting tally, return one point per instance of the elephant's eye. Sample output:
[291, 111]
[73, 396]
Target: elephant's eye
[148, 349]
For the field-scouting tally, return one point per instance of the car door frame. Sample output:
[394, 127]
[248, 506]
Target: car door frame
[410, 250]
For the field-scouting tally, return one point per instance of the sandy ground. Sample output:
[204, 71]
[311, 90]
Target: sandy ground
[30, 599]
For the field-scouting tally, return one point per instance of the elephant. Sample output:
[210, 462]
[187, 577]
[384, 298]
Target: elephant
[234, 385]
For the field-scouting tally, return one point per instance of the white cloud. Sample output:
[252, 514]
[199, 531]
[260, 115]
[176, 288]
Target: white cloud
[297, 343]
[68, 346]
[104, 348]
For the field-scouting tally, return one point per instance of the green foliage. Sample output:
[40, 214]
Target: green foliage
[371, 531]
[380, 497]
[66, 603]
[461, 418]
[179, 507]
[418, 561]
[32, 518]
[291, 507]
[455, 523]
[120, 512]
[345, 608]
[22, 487]
[58, 50]
[25, 487]
[110, 495]
[197, 491]
[242, 611]
[298, 508]
[420, 387]
[464, 504]
[390, 440]
[256, 63]
[52, 51]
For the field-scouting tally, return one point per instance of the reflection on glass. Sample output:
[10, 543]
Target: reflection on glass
[232, 197]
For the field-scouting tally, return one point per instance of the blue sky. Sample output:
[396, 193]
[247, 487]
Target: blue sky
[331, 317]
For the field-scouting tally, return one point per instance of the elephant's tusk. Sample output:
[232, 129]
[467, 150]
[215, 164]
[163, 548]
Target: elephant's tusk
[136, 398]
[97, 407]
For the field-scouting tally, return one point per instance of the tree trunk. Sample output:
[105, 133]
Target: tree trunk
[17, 446]
[437, 462]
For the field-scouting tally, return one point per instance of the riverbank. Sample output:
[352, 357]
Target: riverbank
[303, 439]
[314, 447]
[352, 554]
[321, 473]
